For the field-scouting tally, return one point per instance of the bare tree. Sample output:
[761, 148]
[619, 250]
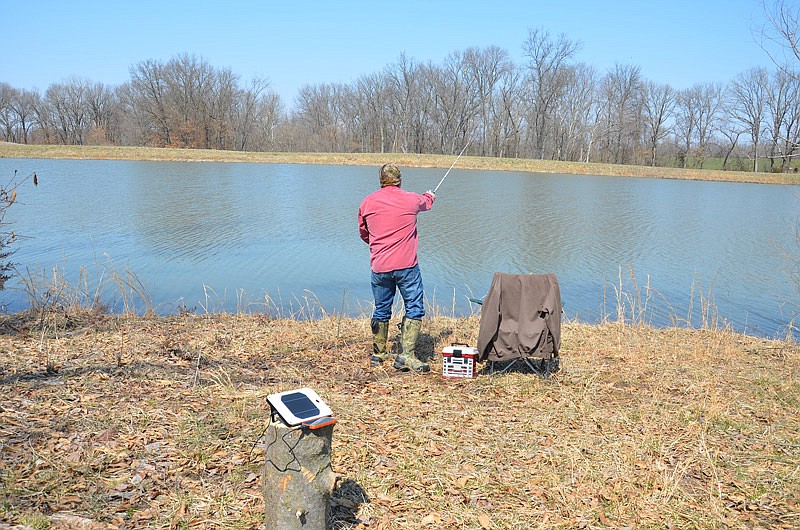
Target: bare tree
[547, 59]
[787, 138]
[658, 105]
[622, 104]
[370, 104]
[783, 30]
[147, 93]
[710, 104]
[24, 106]
[65, 110]
[457, 103]
[487, 69]
[8, 117]
[685, 124]
[748, 103]
[186, 102]
[255, 113]
[319, 113]
[191, 85]
[220, 127]
[403, 81]
[422, 131]
[575, 111]
[103, 113]
[697, 112]
[509, 114]
[547, 107]
[270, 115]
[780, 117]
[729, 128]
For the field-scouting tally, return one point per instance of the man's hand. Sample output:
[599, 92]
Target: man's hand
[430, 192]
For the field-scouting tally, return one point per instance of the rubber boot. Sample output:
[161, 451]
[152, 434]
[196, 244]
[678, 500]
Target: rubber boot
[407, 360]
[380, 337]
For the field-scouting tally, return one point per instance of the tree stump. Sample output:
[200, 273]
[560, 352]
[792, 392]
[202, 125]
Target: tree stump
[298, 479]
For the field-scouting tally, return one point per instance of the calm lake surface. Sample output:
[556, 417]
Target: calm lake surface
[283, 238]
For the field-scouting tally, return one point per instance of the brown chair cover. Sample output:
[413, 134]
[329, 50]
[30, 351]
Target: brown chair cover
[520, 318]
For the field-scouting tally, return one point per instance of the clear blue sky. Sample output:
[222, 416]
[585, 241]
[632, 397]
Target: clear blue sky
[680, 42]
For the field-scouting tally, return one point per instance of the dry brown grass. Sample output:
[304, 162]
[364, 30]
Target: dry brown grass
[8, 150]
[156, 423]
[112, 421]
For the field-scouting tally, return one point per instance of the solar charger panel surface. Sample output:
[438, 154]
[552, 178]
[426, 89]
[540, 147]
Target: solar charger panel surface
[298, 406]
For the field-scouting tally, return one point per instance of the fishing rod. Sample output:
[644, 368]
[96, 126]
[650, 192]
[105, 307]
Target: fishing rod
[451, 167]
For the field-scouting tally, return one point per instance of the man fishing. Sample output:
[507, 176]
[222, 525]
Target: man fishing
[387, 222]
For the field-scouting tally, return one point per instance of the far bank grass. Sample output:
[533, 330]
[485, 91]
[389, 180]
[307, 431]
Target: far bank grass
[8, 150]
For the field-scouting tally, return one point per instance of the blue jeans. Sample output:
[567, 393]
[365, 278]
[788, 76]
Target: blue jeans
[408, 282]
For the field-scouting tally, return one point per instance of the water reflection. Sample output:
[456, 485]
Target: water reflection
[185, 213]
[289, 231]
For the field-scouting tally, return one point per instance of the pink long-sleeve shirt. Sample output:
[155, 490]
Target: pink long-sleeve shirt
[387, 221]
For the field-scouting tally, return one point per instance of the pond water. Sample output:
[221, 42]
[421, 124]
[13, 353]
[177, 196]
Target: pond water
[283, 239]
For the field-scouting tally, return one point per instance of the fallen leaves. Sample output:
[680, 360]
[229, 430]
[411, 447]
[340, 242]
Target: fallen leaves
[162, 440]
[431, 519]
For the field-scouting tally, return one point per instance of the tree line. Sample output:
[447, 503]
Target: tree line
[548, 106]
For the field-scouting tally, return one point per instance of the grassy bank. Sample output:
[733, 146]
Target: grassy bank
[135, 422]
[8, 150]
[120, 421]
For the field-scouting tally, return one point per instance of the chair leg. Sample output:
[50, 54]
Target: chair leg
[506, 367]
[530, 364]
[543, 367]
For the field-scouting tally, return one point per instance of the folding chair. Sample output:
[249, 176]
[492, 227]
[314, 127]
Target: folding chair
[521, 321]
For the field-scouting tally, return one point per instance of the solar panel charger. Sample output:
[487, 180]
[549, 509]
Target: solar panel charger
[301, 407]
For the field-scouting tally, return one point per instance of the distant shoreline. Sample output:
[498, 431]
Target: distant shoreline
[10, 150]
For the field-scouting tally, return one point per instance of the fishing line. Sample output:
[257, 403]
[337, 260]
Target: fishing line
[451, 167]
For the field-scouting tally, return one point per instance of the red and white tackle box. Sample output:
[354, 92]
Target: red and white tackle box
[458, 361]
